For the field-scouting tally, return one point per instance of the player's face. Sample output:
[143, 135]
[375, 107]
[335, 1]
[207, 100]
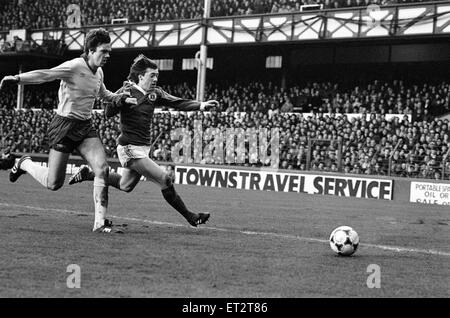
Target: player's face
[149, 79]
[100, 56]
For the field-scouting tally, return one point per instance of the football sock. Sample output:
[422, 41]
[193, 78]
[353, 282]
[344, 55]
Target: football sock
[172, 197]
[38, 172]
[100, 201]
[114, 180]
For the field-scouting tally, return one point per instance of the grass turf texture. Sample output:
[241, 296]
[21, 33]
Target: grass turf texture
[256, 244]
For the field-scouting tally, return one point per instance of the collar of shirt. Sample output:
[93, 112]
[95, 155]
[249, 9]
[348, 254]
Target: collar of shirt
[138, 87]
[85, 58]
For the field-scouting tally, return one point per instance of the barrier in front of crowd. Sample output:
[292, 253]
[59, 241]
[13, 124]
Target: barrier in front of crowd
[401, 190]
[365, 22]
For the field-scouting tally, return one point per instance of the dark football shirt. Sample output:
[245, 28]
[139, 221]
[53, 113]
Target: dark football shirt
[135, 120]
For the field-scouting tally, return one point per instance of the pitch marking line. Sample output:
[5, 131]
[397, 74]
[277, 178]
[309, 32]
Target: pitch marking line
[271, 234]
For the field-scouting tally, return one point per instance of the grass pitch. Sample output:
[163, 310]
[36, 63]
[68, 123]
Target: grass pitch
[256, 244]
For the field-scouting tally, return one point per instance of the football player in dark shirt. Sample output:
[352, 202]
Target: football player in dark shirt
[135, 140]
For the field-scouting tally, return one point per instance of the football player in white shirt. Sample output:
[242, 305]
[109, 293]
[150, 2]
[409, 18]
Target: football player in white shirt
[72, 127]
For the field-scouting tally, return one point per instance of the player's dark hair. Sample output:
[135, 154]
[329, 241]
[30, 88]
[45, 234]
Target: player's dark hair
[140, 65]
[94, 38]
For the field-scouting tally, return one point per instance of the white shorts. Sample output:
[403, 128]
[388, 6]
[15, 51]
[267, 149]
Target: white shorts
[129, 152]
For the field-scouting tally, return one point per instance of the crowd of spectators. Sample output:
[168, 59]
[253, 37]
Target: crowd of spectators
[24, 131]
[27, 14]
[417, 148]
[42, 96]
[49, 46]
[421, 101]
[412, 144]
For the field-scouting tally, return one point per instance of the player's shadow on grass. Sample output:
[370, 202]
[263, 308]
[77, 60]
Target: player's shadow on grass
[163, 230]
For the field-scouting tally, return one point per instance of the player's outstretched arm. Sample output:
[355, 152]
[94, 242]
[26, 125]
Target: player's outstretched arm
[181, 104]
[9, 80]
[117, 100]
[113, 108]
[62, 71]
[209, 105]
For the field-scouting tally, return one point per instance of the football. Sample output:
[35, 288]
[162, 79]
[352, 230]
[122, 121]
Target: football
[344, 240]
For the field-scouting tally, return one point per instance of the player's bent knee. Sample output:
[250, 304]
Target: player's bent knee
[102, 171]
[167, 180]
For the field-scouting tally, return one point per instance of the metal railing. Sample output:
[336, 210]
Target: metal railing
[398, 20]
[392, 155]
[444, 163]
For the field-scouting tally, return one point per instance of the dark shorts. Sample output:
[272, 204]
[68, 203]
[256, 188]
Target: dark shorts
[66, 134]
